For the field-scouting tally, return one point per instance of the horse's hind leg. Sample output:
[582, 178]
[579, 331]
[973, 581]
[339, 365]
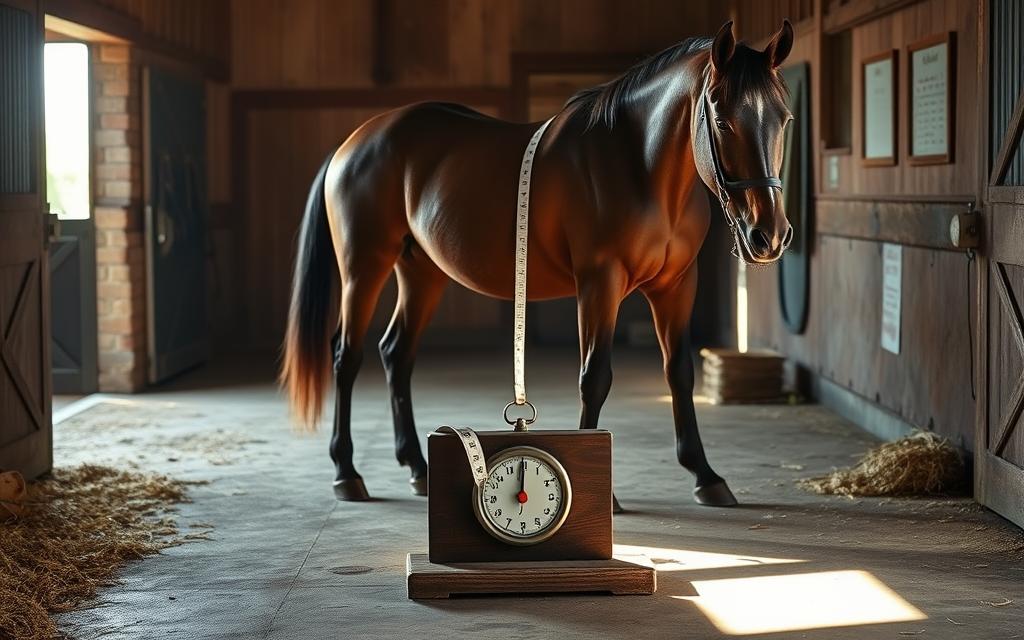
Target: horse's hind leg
[672, 306]
[362, 282]
[420, 285]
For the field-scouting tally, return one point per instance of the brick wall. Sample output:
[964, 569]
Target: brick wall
[117, 190]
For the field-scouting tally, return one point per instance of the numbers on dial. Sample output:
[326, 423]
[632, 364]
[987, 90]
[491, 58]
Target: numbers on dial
[522, 496]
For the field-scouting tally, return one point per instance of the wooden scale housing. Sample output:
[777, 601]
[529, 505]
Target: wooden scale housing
[464, 558]
[454, 531]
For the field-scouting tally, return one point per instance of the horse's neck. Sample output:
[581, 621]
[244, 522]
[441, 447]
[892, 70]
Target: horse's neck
[665, 109]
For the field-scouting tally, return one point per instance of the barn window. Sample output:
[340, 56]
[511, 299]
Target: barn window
[66, 80]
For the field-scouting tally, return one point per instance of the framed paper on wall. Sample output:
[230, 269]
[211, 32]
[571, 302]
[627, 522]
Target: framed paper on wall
[879, 95]
[932, 99]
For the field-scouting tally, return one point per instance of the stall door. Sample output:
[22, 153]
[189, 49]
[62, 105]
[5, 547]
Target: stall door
[73, 300]
[175, 222]
[25, 433]
[999, 441]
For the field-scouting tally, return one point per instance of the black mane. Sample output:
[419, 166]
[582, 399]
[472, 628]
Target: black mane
[603, 100]
[601, 103]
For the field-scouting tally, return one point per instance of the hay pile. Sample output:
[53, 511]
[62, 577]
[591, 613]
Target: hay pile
[919, 464]
[78, 527]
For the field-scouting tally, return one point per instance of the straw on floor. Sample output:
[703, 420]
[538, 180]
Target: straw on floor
[919, 464]
[78, 527]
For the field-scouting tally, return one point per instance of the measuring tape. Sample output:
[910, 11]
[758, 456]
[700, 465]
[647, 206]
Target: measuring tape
[522, 237]
[468, 437]
[474, 452]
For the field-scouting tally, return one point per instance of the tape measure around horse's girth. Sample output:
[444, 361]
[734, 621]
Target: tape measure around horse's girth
[468, 437]
[522, 240]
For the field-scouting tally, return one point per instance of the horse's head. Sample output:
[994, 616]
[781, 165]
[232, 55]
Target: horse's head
[739, 130]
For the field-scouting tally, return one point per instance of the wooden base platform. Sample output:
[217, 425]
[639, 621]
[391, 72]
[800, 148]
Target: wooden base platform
[426, 580]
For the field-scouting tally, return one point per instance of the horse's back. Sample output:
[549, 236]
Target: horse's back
[410, 139]
[439, 173]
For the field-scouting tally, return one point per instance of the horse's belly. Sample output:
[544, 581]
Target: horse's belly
[473, 258]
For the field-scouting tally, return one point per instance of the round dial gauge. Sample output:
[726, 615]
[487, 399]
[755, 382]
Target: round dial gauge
[526, 497]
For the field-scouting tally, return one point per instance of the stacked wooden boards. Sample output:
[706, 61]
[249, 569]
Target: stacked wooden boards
[734, 377]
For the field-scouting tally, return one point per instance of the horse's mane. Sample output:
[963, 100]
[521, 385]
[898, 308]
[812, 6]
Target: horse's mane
[601, 103]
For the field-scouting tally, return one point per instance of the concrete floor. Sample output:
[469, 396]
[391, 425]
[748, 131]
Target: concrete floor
[288, 561]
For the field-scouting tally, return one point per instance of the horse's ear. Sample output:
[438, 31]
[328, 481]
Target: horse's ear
[780, 46]
[723, 47]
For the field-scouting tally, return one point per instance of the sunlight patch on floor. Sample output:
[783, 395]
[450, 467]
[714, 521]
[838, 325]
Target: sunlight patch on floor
[697, 399]
[666, 559]
[770, 604]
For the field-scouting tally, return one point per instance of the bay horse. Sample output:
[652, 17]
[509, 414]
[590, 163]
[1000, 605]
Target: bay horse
[619, 201]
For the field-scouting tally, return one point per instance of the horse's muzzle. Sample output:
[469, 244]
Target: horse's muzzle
[756, 246]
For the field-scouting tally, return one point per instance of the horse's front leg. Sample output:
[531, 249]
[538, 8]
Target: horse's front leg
[672, 305]
[599, 294]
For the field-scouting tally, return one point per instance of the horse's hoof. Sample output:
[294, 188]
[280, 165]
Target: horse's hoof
[418, 486]
[616, 507]
[715, 495]
[350, 490]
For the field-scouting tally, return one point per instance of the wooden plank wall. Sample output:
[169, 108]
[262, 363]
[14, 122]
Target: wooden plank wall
[312, 47]
[361, 43]
[192, 30]
[929, 383]
[198, 26]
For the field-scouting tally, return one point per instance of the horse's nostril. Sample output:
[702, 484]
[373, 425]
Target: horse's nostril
[760, 243]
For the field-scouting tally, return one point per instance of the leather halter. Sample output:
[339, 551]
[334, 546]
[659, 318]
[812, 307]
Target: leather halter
[722, 183]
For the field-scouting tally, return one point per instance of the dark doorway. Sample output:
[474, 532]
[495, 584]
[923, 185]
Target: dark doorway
[73, 347]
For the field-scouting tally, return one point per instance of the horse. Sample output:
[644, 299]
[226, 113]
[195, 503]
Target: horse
[621, 199]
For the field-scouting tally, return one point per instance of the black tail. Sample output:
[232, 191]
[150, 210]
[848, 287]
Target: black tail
[313, 314]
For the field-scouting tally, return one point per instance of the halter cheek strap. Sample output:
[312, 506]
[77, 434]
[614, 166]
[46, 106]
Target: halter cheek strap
[722, 183]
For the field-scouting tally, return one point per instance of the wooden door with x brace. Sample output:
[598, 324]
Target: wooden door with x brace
[25, 433]
[999, 435]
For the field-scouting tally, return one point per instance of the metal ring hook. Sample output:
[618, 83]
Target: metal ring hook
[525, 403]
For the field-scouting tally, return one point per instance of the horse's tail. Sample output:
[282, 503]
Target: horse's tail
[313, 313]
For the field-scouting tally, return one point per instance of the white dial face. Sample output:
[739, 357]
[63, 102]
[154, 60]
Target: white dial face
[522, 497]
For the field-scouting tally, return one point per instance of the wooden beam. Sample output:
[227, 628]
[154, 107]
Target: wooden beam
[845, 15]
[918, 224]
[76, 31]
[95, 17]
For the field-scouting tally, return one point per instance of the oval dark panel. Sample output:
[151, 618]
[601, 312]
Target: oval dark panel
[795, 266]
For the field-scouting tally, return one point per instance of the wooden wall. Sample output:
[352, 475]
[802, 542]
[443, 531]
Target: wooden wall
[318, 63]
[198, 26]
[191, 31]
[928, 384]
[365, 43]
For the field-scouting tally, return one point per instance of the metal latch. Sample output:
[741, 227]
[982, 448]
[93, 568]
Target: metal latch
[52, 225]
[965, 228]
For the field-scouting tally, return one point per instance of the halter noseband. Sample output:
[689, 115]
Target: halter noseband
[722, 183]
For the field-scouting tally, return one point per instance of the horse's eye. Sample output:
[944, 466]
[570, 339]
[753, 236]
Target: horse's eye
[721, 124]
